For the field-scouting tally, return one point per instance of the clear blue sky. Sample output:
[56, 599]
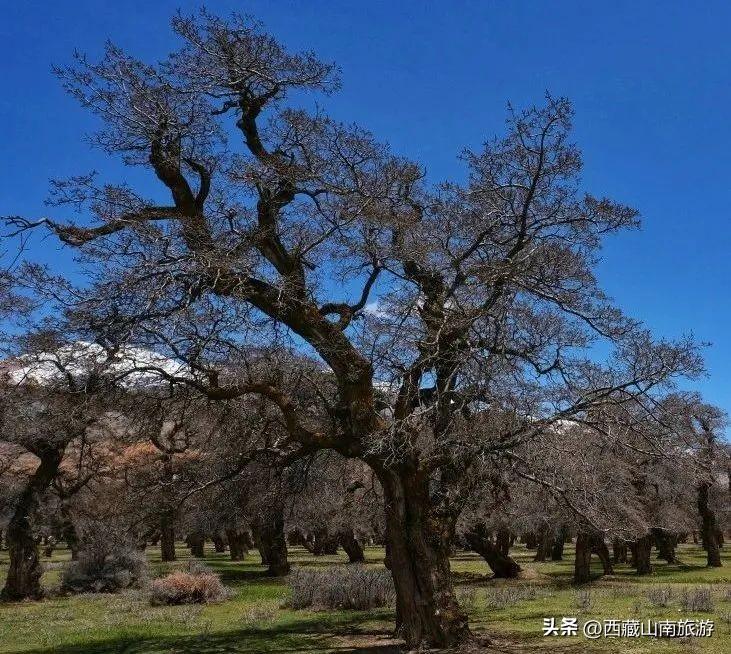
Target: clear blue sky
[650, 82]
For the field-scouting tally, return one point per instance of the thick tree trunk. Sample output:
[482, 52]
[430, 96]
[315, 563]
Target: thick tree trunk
[558, 543]
[582, 559]
[502, 541]
[325, 542]
[272, 541]
[599, 547]
[167, 537]
[219, 544]
[196, 542]
[665, 541]
[619, 551]
[641, 550]
[502, 565]
[24, 573]
[351, 546]
[709, 527]
[531, 542]
[418, 555]
[237, 544]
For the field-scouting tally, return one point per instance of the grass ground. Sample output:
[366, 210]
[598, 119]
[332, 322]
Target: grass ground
[253, 622]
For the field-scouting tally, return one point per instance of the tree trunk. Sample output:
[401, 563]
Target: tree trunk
[619, 551]
[545, 543]
[325, 542]
[219, 544]
[24, 573]
[167, 537]
[196, 542]
[558, 543]
[418, 555]
[237, 544]
[582, 559]
[599, 547]
[502, 541]
[502, 565]
[641, 550]
[708, 527]
[665, 541]
[68, 530]
[269, 530]
[531, 542]
[351, 546]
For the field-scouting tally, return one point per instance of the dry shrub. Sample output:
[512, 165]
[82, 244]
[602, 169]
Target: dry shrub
[341, 587]
[660, 596]
[502, 596]
[697, 599]
[187, 588]
[98, 571]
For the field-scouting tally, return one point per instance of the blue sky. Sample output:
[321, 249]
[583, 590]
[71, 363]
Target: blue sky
[649, 82]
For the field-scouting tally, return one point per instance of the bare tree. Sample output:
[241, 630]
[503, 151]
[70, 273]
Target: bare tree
[455, 332]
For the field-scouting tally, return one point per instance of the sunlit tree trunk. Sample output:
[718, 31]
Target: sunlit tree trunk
[418, 555]
[351, 546]
[24, 572]
[272, 541]
[502, 565]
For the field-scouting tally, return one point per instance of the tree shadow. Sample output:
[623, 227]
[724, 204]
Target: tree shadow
[338, 636]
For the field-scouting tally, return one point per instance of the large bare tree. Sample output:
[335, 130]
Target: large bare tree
[454, 321]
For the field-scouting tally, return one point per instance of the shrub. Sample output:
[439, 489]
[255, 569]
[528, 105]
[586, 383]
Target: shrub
[99, 572]
[660, 596]
[502, 596]
[341, 587]
[467, 598]
[584, 600]
[187, 588]
[697, 599]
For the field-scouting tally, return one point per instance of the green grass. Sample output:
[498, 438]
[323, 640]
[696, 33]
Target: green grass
[252, 620]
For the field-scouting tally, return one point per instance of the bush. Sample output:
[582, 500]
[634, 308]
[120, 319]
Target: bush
[660, 596]
[584, 600]
[697, 599]
[502, 596]
[187, 588]
[98, 572]
[341, 587]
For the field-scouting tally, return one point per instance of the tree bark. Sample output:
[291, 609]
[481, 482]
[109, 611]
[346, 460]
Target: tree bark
[582, 559]
[641, 550]
[351, 546]
[619, 551]
[531, 542]
[708, 527]
[219, 544]
[237, 544]
[167, 537]
[196, 542]
[419, 541]
[502, 565]
[545, 543]
[269, 531]
[558, 543]
[68, 530]
[665, 541]
[503, 541]
[599, 547]
[24, 573]
[325, 542]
